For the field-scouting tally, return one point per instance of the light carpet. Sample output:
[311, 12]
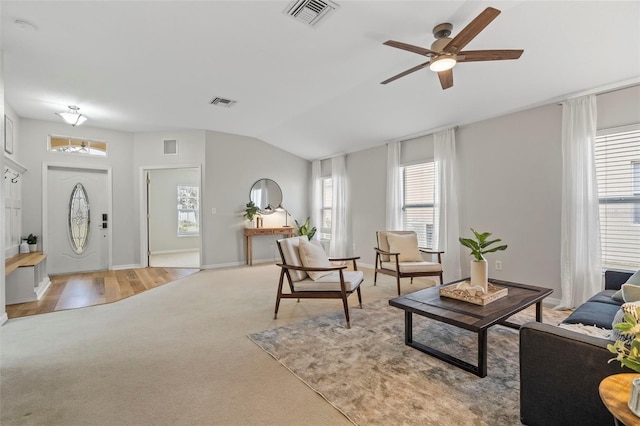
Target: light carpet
[373, 378]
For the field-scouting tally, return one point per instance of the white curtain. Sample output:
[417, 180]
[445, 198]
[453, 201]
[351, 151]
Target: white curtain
[581, 264]
[340, 211]
[446, 203]
[394, 188]
[316, 195]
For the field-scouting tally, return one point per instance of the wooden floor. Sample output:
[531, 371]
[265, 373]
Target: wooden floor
[95, 288]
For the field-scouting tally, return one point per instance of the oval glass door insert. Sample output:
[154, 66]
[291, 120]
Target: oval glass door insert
[79, 219]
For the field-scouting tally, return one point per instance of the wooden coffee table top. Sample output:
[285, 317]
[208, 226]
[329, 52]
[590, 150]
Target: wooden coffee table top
[615, 392]
[428, 303]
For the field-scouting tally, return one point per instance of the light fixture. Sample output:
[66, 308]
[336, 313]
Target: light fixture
[286, 215]
[72, 116]
[443, 63]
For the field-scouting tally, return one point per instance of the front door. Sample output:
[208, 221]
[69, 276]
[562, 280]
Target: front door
[77, 220]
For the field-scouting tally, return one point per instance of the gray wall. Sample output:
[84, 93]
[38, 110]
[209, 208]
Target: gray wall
[510, 171]
[234, 163]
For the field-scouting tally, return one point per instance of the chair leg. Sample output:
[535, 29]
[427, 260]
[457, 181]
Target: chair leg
[359, 298]
[375, 277]
[278, 297]
[441, 280]
[346, 310]
[398, 280]
[411, 280]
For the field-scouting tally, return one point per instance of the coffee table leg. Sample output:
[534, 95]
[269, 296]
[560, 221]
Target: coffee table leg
[408, 328]
[482, 353]
[539, 311]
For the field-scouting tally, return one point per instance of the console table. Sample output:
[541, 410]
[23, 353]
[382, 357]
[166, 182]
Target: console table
[249, 233]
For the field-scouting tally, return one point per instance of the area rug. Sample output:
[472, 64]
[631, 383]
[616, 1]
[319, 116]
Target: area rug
[373, 378]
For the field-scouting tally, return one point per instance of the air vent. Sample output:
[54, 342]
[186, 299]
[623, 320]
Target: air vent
[170, 147]
[310, 12]
[227, 103]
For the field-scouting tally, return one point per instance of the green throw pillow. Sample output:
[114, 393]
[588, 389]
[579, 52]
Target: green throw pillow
[634, 279]
[617, 296]
[630, 292]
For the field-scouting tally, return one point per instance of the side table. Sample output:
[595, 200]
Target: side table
[615, 392]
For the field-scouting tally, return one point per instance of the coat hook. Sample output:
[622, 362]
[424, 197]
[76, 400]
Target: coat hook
[15, 177]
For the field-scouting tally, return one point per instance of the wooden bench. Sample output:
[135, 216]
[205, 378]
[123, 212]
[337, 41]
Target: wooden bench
[25, 277]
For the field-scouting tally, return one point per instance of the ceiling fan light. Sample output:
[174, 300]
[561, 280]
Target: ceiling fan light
[72, 116]
[442, 63]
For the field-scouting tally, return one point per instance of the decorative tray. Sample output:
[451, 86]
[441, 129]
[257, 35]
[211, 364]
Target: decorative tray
[494, 293]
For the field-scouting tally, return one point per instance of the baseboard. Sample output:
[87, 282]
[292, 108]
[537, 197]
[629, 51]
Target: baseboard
[43, 287]
[223, 265]
[4, 318]
[119, 267]
[188, 250]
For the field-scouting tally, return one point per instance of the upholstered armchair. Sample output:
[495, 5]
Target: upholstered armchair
[310, 274]
[398, 255]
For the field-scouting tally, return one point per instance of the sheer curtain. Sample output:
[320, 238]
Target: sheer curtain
[316, 195]
[394, 189]
[446, 203]
[581, 263]
[340, 209]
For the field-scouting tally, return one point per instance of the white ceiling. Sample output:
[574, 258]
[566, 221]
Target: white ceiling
[315, 92]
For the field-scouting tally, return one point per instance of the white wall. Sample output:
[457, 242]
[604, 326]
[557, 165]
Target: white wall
[234, 164]
[163, 220]
[3, 314]
[33, 152]
[510, 172]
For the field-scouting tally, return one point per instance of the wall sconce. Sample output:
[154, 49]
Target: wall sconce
[72, 116]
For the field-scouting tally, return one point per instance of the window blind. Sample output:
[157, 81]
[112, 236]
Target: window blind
[418, 214]
[617, 158]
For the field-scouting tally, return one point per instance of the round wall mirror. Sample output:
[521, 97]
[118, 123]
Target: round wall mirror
[267, 195]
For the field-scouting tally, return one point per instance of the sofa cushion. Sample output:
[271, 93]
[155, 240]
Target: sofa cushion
[606, 296]
[630, 292]
[635, 278]
[600, 314]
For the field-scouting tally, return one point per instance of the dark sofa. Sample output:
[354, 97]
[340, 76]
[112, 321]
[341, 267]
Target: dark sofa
[560, 370]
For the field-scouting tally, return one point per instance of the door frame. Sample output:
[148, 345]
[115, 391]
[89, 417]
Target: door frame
[144, 228]
[45, 203]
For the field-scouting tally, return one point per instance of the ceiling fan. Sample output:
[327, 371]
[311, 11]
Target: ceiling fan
[446, 52]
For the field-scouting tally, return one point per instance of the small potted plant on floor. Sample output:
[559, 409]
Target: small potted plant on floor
[32, 240]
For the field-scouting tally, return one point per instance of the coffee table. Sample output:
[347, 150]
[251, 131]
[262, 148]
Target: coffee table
[476, 318]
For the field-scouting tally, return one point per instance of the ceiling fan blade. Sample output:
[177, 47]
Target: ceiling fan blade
[409, 71]
[409, 47]
[446, 78]
[469, 32]
[488, 55]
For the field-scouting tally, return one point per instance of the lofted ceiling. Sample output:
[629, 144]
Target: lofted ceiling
[313, 91]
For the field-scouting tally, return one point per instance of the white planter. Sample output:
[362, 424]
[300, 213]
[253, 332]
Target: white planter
[480, 273]
[24, 247]
[33, 248]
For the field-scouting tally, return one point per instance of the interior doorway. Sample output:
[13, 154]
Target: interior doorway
[173, 217]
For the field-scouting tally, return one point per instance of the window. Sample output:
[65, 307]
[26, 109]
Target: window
[617, 158]
[77, 146]
[188, 204]
[327, 204]
[418, 192]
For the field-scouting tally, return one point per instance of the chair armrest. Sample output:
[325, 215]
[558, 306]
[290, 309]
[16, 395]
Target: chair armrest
[386, 253]
[424, 250]
[343, 259]
[305, 268]
[560, 371]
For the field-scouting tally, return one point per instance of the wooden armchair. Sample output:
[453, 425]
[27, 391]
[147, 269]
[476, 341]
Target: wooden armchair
[318, 279]
[398, 255]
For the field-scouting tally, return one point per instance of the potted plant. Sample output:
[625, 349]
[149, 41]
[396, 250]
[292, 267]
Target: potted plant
[251, 211]
[305, 229]
[627, 350]
[32, 240]
[479, 247]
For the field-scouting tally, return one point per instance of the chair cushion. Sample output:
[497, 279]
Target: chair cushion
[313, 256]
[291, 254]
[406, 245]
[411, 267]
[383, 242]
[352, 279]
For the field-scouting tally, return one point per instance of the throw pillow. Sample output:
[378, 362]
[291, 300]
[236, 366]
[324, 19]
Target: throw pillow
[617, 296]
[634, 279]
[630, 292]
[629, 308]
[313, 256]
[406, 245]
